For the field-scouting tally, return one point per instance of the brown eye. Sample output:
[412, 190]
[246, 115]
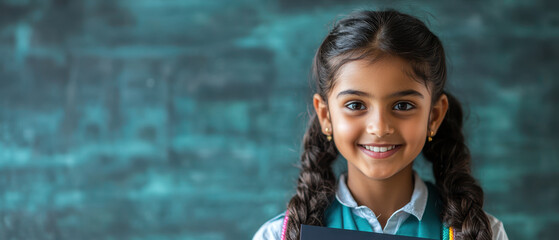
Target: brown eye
[403, 106]
[355, 106]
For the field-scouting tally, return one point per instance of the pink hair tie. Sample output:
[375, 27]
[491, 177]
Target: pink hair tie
[284, 228]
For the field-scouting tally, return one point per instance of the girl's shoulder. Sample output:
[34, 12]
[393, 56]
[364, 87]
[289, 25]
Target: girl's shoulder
[271, 230]
[497, 228]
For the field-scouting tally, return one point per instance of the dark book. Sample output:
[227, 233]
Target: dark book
[324, 233]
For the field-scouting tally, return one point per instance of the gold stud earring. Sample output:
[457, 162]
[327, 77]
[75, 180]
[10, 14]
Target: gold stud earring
[431, 134]
[328, 136]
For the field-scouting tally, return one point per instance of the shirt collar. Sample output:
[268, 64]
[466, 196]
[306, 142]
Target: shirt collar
[415, 207]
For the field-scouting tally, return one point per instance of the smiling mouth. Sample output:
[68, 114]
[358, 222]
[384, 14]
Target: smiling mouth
[379, 152]
[379, 149]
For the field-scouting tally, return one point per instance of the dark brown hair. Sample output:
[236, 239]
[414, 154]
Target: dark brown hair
[371, 34]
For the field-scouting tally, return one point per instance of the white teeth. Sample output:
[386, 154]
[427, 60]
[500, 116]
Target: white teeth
[379, 149]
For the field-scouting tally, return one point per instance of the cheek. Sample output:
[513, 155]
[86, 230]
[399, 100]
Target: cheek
[346, 128]
[415, 133]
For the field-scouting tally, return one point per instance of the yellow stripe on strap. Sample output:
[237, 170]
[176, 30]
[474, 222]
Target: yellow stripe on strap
[451, 233]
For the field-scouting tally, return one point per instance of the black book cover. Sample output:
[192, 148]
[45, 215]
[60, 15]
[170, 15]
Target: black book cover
[323, 233]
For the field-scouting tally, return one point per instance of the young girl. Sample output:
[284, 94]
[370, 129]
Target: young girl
[380, 102]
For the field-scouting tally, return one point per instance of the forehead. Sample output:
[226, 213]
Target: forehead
[379, 78]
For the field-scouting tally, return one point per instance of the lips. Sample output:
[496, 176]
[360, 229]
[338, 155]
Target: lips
[379, 151]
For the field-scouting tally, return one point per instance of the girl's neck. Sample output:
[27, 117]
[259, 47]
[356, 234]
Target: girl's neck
[383, 197]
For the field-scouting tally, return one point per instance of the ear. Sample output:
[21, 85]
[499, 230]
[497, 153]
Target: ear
[437, 113]
[322, 112]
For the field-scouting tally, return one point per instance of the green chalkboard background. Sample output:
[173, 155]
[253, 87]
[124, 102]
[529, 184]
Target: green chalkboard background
[144, 119]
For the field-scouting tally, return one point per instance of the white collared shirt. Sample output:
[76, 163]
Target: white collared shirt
[416, 206]
[271, 230]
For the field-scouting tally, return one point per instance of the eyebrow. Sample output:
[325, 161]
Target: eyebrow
[409, 92]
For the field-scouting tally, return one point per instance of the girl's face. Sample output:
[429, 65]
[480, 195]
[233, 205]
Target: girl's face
[379, 116]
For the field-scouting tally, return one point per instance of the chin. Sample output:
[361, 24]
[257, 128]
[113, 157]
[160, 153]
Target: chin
[384, 173]
[379, 175]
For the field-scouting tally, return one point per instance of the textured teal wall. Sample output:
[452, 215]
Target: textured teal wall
[145, 119]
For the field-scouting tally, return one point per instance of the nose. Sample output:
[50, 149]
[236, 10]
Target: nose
[378, 124]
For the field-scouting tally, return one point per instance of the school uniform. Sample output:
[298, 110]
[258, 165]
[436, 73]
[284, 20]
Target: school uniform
[418, 218]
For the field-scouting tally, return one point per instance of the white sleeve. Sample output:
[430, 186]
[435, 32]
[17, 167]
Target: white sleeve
[497, 228]
[271, 230]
